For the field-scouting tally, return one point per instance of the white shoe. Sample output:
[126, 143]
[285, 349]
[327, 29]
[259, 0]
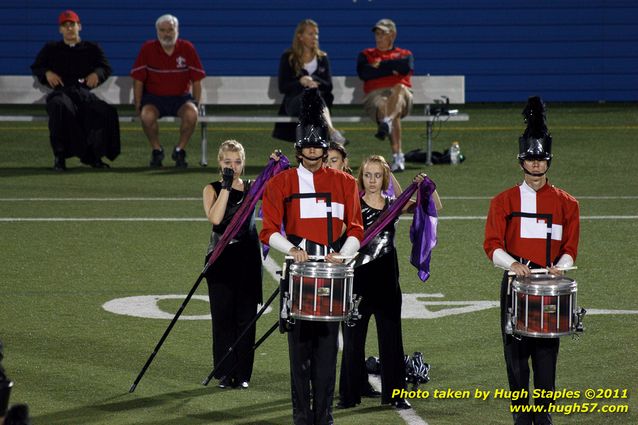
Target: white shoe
[398, 163]
[337, 137]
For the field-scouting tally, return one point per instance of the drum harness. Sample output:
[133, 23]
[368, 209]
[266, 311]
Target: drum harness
[578, 326]
[287, 321]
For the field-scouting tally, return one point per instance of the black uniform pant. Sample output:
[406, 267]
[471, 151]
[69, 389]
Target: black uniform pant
[518, 350]
[312, 348]
[353, 369]
[82, 125]
[234, 290]
[232, 310]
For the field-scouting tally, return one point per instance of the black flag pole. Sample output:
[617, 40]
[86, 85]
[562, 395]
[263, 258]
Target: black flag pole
[239, 338]
[168, 329]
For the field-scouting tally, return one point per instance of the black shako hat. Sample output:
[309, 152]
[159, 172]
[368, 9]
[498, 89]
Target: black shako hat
[312, 130]
[536, 142]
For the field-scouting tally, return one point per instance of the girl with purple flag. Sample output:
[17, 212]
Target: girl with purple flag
[234, 279]
[376, 279]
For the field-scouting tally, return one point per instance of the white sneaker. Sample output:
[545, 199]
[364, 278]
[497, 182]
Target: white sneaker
[337, 137]
[398, 162]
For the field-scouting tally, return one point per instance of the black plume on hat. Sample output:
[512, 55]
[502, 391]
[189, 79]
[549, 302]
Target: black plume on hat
[312, 130]
[536, 142]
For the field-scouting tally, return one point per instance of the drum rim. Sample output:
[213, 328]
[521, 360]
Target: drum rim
[321, 270]
[544, 335]
[550, 278]
[545, 289]
[316, 318]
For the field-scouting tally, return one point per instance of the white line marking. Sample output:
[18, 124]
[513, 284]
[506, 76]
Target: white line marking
[594, 197]
[272, 268]
[54, 219]
[604, 311]
[136, 199]
[190, 199]
[195, 219]
[409, 416]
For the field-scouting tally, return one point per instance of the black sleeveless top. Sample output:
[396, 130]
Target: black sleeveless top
[248, 230]
[381, 244]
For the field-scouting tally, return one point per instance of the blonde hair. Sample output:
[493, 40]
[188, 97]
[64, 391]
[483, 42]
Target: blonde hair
[231, 146]
[384, 166]
[295, 57]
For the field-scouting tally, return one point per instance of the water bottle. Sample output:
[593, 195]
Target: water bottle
[455, 153]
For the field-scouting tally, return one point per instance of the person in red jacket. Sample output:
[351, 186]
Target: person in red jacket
[316, 204]
[531, 225]
[386, 72]
[167, 81]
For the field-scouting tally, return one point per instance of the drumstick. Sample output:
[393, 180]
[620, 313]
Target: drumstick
[322, 257]
[537, 271]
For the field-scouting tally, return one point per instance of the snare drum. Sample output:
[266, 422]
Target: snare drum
[544, 306]
[320, 291]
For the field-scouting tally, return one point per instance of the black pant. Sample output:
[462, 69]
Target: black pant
[82, 125]
[353, 370]
[234, 290]
[378, 283]
[231, 311]
[313, 361]
[518, 351]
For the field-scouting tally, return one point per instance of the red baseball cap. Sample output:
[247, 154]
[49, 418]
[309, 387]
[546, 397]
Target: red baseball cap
[68, 15]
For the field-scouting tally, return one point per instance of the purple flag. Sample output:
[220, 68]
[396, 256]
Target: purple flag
[254, 194]
[389, 192]
[387, 216]
[423, 229]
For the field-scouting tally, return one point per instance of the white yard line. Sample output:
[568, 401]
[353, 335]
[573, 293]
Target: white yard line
[190, 199]
[136, 199]
[595, 197]
[409, 416]
[196, 219]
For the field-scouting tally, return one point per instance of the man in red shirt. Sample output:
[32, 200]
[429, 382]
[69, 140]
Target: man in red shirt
[532, 225]
[386, 71]
[167, 78]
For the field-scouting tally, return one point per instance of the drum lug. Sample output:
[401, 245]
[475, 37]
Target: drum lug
[354, 314]
[578, 326]
[285, 306]
[509, 322]
[285, 320]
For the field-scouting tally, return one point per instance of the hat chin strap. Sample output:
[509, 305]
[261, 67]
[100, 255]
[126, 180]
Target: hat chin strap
[309, 158]
[529, 173]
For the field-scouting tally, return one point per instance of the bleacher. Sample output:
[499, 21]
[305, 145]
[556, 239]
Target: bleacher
[249, 91]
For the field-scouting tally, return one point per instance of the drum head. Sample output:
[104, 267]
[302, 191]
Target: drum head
[544, 284]
[325, 270]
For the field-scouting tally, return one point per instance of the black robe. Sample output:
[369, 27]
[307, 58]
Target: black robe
[80, 124]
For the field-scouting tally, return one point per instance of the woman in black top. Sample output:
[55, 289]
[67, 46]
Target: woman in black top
[303, 66]
[376, 280]
[234, 280]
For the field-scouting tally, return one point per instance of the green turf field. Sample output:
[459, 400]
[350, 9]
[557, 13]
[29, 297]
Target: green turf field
[74, 241]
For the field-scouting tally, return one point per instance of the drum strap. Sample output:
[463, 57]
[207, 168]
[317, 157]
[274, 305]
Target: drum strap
[311, 247]
[548, 220]
[328, 197]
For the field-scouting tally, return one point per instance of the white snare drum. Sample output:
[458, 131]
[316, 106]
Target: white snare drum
[320, 291]
[544, 306]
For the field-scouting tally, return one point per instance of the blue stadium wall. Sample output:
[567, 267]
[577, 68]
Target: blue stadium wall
[562, 50]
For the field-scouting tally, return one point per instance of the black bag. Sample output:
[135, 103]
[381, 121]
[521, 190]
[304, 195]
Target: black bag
[419, 155]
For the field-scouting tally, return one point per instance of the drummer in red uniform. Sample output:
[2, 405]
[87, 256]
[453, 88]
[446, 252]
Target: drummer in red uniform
[298, 198]
[532, 225]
